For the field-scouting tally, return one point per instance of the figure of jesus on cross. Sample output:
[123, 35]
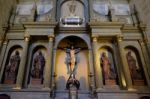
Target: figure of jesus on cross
[71, 59]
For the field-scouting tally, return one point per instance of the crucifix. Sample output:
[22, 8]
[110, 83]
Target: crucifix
[71, 59]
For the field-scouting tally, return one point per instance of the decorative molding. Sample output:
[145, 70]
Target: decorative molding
[130, 28]
[95, 39]
[50, 24]
[5, 41]
[120, 38]
[141, 41]
[97, 24]
[27, 37]
[51, 37]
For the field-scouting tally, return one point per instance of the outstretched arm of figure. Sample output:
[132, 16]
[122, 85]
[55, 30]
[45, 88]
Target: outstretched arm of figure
[77, 50]
[64, 49]
[67, 50]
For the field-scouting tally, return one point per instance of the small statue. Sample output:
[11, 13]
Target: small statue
[107, 69]
[72, 81]
[38, 64]
[71, 59]
[12, 68]
[134, 70]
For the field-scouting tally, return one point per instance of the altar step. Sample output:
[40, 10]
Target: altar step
[81, 95]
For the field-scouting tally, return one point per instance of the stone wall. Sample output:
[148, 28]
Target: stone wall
[143, 10]
[5, 9]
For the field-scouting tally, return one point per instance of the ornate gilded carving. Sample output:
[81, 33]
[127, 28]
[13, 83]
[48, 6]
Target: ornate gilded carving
[51, 38]
[119, 38]
[5, 41]
[95, 39]
[27, 37]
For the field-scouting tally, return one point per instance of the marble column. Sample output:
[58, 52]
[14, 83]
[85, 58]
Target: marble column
[54, 75]
[3, 50]
[91, 74]
[145, 66]
[146, 39]
[98, 71]
[124, 64]
[48, 68]
[1, 40]
[2, 57]
[14, 13]
[91, 69]
[53, 85]
[22, 65]
[148, 47]
[91, 9]
[147, 44]
[53, 17]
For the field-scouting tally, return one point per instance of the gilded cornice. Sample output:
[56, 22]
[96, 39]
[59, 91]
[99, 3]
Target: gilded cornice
[51, 37]
[16, 28]
[97, 24]
[72, 29]
[130, 28]
[51, 24]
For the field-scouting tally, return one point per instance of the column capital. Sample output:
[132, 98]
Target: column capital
[146, 41]
[120, 38]
[2, 38]
[5, 41]
[95, 39]
[27, 37]
[141, 41]
[51, 38]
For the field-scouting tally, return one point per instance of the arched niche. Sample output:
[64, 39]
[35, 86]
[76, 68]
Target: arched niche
[37, 66]
[12, 65]
[81, 69]
[84, 37]
[4, 96]
[135, 66]
[65, 9]
[108, 66]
